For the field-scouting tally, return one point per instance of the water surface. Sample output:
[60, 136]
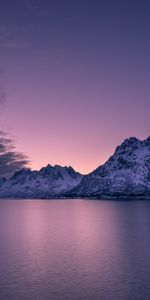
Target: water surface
[74, 249]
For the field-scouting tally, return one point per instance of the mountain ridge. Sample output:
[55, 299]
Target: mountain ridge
[48, 182]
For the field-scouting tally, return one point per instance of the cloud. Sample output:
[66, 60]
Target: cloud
[31, 5]
[8, 40]
[11, 161]
[73, 18]
[17, 45]
[2, 96]
[2, 92]
[36, 6]
[4, 32]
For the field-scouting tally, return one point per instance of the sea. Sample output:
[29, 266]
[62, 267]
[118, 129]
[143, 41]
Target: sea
[74, 249]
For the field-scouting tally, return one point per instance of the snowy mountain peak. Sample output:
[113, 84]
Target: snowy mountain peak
[128, 144]
[148, 139]
[59, 171]
[127, 172]
[22, 172]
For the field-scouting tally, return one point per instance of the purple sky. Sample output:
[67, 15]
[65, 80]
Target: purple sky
[76, 76]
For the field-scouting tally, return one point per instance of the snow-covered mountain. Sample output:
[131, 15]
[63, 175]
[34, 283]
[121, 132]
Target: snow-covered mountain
[46, 183]
[126, 173]
[2, 180]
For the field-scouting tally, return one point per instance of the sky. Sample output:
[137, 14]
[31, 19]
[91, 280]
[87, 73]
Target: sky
[74, 78]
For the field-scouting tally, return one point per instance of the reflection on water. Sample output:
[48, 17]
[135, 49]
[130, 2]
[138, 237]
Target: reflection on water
[74, 249]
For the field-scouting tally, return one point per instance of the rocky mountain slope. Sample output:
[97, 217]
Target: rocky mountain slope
[45, 183]
[126, 173]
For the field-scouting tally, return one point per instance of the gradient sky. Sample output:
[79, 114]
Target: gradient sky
[76, 76]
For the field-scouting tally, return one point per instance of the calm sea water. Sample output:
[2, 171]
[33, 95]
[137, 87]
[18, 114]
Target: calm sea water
[74, 249]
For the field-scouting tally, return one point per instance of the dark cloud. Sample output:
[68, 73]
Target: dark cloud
[10, 160]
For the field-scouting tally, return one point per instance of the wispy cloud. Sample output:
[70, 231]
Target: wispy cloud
[11, 161]
[31, 4]
[35, 6]
[17, 45]
[73, 18]
[2, 96]
[4, 31]
[8, 37]
[2, 92]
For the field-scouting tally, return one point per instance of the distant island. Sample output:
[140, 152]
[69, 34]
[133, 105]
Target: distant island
[126, 174]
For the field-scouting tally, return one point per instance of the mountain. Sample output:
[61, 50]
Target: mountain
[2, 180]
[125, 174]
[46, 183]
